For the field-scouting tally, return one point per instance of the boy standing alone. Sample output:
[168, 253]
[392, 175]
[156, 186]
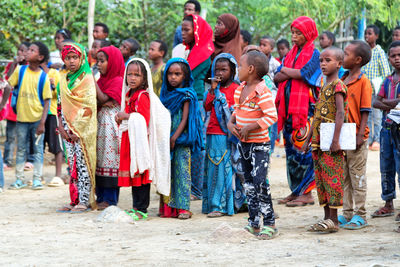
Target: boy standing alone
[32, 108]
[376, 70]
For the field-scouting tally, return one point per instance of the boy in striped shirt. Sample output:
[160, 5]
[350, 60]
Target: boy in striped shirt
[254, 112]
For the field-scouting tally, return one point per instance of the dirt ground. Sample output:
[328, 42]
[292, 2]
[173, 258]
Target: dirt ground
[32, 233]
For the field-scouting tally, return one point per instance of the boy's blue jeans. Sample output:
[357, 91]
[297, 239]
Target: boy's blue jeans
[26, 130]
[375, 119]
[389, 165]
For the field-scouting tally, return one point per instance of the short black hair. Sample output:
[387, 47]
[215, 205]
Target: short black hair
[270, 40]
[135, 45]
[396, 28]
[363, 50]
[27, 44]
[103, 25]
[374, 28]
[339, 54]
[232, 66]
[186, 73]
[246, 36]
[197, 6]
[283, 42]
[43, 51]
[393, 45]
[330, 36]
[103, 42]
[142, 70]
[65, 33]
[260, 62]
[188, 18]
[163, 47]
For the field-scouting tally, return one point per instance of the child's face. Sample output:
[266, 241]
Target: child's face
[187, 32]
[58, 39]
[22, 53]
[219, 28]
[223, 70]
[266, 47]
[329, 63]
[298, 37]
[33, 55]
[95, 48]
[370, 36]
[154, 51]
[243, 68]
[102, 62]
[394, 57]
[98, 33]
[175, 75]
[243, 43]
[350, 57]
[282, 50]
[134, 76]
[126, 49]
[71, 61]
[396, 35]
[324, 41]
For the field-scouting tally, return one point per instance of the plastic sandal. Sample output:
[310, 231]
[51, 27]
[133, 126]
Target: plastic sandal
[355, 223]
[342, 221]
[37, 185]
[132, 213]
[144, 215]
[18, 184]
[250, 229]
[267, 233]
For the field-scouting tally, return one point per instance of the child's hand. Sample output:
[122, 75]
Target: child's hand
[109, 104]
[172, 143]
[64, 134]
[40, 129]
[121, 116]
[335, 147]
[233, 129]
[359, 140]
[214, 82]
[74, 138]
[244, 132]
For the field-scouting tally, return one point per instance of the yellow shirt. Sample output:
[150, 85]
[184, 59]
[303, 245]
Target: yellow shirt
[55, 74]
[29, 108]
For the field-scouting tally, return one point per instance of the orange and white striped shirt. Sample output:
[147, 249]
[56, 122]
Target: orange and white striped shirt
[258, 107]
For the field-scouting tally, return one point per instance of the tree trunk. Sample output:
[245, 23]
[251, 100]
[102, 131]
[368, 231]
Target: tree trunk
[92, 4]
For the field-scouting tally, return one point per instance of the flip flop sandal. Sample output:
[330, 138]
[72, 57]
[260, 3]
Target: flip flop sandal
[37, 185]
[383, 212]
[296, 203]
[250, 229]
[357, 222]
[342, 221]
[144, 215]
[185, 215]
[215, 214]
[56, 182]
[80, 210]
[327, 226]
[267, 233]
[133, 215]
[65, 209]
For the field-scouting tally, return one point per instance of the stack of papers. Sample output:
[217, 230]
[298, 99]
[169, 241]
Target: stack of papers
[347, 139]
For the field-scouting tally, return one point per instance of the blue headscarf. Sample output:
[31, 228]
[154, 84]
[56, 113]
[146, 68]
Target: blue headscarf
[221, 105]
[173, 100]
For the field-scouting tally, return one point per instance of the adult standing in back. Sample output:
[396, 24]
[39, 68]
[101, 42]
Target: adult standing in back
[227, 36]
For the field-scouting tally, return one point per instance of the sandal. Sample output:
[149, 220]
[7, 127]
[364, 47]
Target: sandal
[135, 217]
[37, 185]
[184, 215]
[251, 230]
[56, 182]
[383, 212]
[18, 184]
[325, 226]
[342, 221]
[64, 209]
[215, 214]
[357, 222]
[287, 199]
[80, 209]
[28, 166]
[267, 233]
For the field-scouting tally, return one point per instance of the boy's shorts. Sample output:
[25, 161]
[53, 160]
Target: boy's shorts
[50, 136]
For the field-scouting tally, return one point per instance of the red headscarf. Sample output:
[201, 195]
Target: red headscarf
[68, 49]
[229, 42]
[204, 46]
[299, 93]
[111, 82]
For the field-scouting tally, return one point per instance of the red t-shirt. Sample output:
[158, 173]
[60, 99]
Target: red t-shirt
[213, 125]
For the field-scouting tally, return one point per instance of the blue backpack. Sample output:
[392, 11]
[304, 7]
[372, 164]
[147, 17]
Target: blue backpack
[15, 92]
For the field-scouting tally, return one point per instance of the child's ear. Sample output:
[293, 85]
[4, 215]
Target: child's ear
[358, 60]
[41, 57]
[251, 69]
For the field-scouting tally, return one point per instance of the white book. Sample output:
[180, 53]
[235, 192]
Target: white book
[347, 139]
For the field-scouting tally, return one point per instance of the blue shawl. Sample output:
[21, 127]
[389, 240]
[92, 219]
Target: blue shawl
[173, 99]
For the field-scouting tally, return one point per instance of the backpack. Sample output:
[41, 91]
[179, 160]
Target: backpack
[15, 92]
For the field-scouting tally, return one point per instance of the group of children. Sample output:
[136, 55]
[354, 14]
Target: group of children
[125, 123]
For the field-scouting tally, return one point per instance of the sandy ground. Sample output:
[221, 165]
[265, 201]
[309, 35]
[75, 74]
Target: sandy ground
[32, 233]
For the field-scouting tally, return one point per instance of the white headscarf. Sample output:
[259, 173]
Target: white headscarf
[159, 134]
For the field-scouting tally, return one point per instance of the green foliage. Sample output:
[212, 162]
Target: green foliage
[147, 20]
